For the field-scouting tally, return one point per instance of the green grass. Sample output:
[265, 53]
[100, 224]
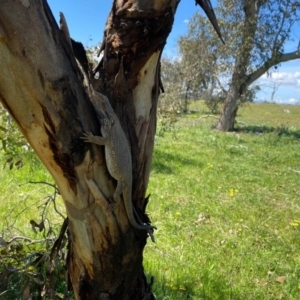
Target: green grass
[226, 206]
[22, 201]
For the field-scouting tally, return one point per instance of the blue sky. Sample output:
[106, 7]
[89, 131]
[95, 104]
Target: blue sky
[86, 21]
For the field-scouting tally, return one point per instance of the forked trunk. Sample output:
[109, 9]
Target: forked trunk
[42, 88]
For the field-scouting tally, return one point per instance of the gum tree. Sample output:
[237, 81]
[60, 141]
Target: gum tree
[256, 35]
[43, 89]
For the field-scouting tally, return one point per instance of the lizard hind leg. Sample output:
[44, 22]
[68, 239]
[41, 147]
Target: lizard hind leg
[117, 195]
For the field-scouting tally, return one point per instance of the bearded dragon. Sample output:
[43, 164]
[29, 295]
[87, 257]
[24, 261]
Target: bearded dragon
[117, 149]
[117, 155]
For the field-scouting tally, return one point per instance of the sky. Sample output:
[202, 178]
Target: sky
[86, 21]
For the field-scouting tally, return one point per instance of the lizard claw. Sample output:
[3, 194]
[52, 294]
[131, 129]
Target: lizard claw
[86, 136]
[112, 206]
[150, 232]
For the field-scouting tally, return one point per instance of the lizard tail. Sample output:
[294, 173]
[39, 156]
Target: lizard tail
[129, 210]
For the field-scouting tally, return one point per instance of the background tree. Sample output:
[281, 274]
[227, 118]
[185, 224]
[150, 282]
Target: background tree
[255, 33]
[171, 102]
[42, 88]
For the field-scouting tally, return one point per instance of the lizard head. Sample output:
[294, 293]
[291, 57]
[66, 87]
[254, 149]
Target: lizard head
[101, 105]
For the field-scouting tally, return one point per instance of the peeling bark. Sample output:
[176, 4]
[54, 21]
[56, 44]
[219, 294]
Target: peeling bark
[41, 87]
[134, 37]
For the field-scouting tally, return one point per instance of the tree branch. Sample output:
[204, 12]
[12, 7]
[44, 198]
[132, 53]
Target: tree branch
[207, 7]
[270, 63]
[276, 44]
[31, 241]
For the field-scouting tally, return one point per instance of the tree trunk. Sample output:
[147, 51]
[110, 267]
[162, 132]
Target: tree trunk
[238, 83]
[229, 111]
[41, 87]
[186, 96]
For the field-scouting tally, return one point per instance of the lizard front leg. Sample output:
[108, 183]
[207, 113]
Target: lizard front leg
[88, 137]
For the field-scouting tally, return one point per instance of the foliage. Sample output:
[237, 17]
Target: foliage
[171, 102]
[30, 224]
[168, 113]
[93, 55]
[12, 143]
[30, 272]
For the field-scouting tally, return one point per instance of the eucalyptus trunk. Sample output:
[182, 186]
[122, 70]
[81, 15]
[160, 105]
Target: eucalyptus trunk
[239, 83]
[42, 88]
[227, 118]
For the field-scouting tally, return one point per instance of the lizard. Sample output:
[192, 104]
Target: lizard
[117, 149]
[117, 155]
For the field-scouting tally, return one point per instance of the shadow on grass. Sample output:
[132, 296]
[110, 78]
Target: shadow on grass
[207, 288]
[261, 129]
[165, 162]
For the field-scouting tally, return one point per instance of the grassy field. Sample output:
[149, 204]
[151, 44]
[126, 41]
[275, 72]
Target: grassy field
[226, 206]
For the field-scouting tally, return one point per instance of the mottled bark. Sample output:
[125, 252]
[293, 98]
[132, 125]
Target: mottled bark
[41, 86]
[229, 111]
[239, 75]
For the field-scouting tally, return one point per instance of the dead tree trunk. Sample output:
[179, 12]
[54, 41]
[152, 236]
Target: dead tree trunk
[42, 88]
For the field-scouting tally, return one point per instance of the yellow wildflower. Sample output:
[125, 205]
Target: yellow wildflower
[233, 192]
[294, 224]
